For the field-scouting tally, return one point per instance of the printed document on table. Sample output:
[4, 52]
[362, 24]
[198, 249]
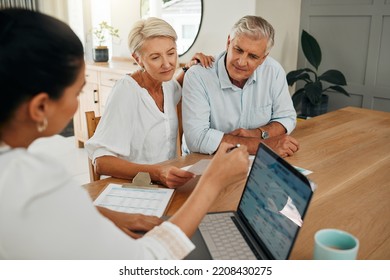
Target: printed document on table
[144, 200]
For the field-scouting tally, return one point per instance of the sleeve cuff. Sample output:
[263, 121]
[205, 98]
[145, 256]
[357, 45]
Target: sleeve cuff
[289, 124]
[213, 141]
[170, 239]
[101, 152]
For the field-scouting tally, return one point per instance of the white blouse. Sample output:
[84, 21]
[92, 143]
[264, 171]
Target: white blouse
[45, 215]
[133, 128]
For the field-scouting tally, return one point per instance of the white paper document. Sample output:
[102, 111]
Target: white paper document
[303, 170]
[143, 200]
[199, 167]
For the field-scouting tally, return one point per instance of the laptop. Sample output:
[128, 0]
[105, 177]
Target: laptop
[269, 215]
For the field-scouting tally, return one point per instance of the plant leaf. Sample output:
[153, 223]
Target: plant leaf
[298, 75]
[293, 74]
[311, 49]
[333, 77]
[340, 89]
[309, 70]
[297, 97]
[314, 92]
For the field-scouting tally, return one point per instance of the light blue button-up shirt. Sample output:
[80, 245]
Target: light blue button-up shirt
[213, 106]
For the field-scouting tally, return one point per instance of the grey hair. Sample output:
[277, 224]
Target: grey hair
[254, 27]
[149, 28]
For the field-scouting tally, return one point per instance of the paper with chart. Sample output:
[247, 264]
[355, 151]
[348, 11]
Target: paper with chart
[143, 200]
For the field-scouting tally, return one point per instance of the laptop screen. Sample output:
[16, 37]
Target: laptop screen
[274, 202]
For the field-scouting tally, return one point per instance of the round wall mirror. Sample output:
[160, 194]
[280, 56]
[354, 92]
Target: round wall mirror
[185, 16]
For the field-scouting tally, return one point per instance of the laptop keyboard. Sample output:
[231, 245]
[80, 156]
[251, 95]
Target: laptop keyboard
[223, 238]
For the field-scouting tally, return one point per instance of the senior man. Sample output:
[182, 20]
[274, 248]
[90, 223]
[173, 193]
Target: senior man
[243, 98]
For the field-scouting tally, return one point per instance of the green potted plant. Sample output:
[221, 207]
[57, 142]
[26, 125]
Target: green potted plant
[312, 96]
[100, 52]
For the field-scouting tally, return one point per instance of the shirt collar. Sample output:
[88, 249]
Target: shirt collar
[224, 77]
[4, 147]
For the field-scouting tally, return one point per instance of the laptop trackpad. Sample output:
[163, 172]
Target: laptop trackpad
[200, 252]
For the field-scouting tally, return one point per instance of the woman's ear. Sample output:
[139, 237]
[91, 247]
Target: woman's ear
[38, 107]
[137, 59]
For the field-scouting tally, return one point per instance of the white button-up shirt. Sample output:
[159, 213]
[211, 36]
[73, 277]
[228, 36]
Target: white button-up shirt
[212, 105]
[133, 128]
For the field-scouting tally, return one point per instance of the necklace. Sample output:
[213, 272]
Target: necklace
[157, 95]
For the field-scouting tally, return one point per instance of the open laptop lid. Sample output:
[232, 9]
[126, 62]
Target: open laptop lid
[274, 202]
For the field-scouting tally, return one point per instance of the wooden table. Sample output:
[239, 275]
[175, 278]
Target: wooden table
[349, 153]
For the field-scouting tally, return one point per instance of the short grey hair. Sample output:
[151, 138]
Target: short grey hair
[254, 27]
[149, 28]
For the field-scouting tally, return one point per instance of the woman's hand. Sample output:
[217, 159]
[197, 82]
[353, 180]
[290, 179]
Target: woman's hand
[229, 165]
[204, 60]
[131, 223]
[174, 177]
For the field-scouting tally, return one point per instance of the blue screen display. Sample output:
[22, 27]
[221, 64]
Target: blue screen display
[274, 202]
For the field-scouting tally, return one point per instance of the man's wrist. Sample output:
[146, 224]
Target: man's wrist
[263, 133]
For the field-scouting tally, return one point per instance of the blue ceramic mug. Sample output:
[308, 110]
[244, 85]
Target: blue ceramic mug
[334, 244]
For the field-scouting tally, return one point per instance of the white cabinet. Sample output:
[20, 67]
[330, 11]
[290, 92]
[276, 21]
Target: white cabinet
[100, 78]
[107, 81]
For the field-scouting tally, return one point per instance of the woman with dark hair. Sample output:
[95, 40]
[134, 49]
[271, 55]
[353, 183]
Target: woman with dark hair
[44, 214]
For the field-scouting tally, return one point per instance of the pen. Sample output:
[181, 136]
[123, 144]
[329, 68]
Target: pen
[236, 146]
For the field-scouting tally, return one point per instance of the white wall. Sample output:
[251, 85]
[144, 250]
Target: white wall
[55, 8]
[123, 15]
[218, 18]
[285, 18]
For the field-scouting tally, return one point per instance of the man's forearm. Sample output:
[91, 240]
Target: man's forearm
[274, 129]
[251, 142]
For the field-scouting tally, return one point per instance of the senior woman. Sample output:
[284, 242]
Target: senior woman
[139, 126]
